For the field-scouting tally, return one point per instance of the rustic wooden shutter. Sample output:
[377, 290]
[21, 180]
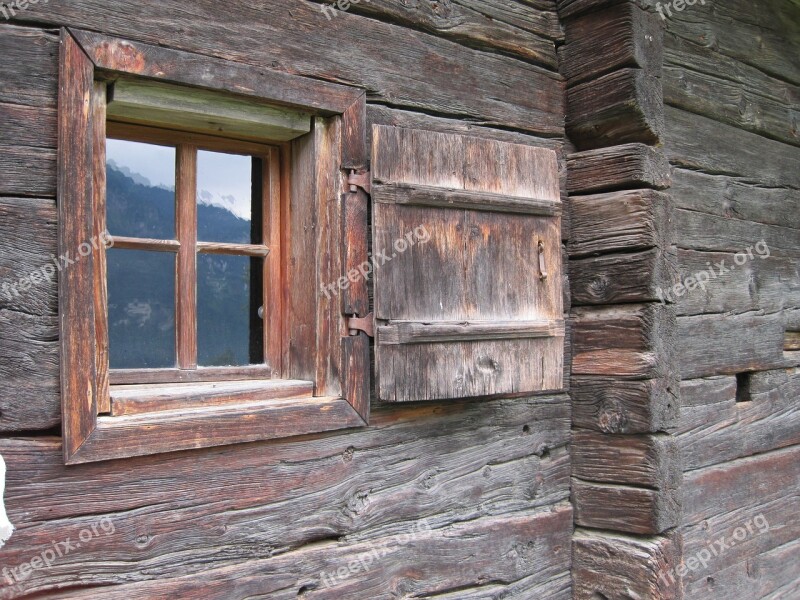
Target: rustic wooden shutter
[477, 309]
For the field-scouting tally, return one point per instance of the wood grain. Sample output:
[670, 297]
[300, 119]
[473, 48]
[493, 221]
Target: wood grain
[186, 262]
[76, 222]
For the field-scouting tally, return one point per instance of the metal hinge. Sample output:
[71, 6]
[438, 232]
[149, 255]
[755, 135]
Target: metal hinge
[366, 324]
[360, 179]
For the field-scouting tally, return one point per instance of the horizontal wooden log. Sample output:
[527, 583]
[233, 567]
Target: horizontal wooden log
[182, 508]
[622, 35]
[624, 509]
[617, 167]
[422, 562]
[726, 196]
[426, 195]
[774, 574]
[28, 172]
[622, 277]
[766, 40]
[633, 341]
[702, 144]
[29, 70]
[700, 80]
[766, 282]
[721, 489]
[741, 509]
[608, 565]
[715, 428]
[398, 332]
[615, 221]
[723, 344]
[521, 30]
[701, 231]
[617, 108]
[33, 126]
[619, 406]
[651, 461]
[538, 105]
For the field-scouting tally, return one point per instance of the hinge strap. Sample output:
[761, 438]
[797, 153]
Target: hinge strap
[360, 179]
[366, 324]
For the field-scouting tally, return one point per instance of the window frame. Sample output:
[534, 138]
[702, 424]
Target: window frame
[321, 161]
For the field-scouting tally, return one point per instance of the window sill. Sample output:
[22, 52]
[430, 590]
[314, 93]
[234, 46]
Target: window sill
[184, 429]
[141, 399]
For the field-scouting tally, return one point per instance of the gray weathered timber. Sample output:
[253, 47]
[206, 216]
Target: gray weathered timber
[625, 508]
[766, 39]
[623, 277]
[617, 108]
[633, 341]
[769, 284]
[356, 487]
[627, 407]
[772, 575]
[617, 167]
[29, 70]
[715, 428]
[539, 99]
[514, 28]
[727, 344]
[620, 36]
[705, 82]
[720, 499]
[726, 196]
[725, 150]
[619, 221]
[607, 563]
[651, 461]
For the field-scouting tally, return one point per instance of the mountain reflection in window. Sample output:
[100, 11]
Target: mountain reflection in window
[140, 197]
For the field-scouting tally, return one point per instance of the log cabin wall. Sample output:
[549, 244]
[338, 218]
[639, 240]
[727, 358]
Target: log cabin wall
[732, 93]
[478, 492]
[706, 476]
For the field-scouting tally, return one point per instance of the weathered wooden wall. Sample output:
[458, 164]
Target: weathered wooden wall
[490, 478]
[732, 90]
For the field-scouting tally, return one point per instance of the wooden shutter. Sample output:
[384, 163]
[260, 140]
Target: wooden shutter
[477, 309]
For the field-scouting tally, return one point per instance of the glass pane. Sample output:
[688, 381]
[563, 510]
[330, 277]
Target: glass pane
[141, 309]
[140, 190]
[229, 294]
[226, 186]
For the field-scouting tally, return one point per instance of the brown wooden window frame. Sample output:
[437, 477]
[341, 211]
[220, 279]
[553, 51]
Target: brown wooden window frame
[323, 234]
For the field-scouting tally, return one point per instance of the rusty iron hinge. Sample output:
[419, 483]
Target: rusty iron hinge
[366, 324]
[360, 179]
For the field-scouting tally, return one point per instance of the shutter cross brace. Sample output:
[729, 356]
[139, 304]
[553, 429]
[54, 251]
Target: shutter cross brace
[366, 324]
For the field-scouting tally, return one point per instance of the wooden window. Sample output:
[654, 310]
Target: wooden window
[305, 370]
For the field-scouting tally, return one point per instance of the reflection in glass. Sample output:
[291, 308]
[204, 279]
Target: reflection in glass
[140, 189]
[229, 294]
[226, 186]
[141, 309]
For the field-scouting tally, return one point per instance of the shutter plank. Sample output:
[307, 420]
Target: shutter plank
[463, 311]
